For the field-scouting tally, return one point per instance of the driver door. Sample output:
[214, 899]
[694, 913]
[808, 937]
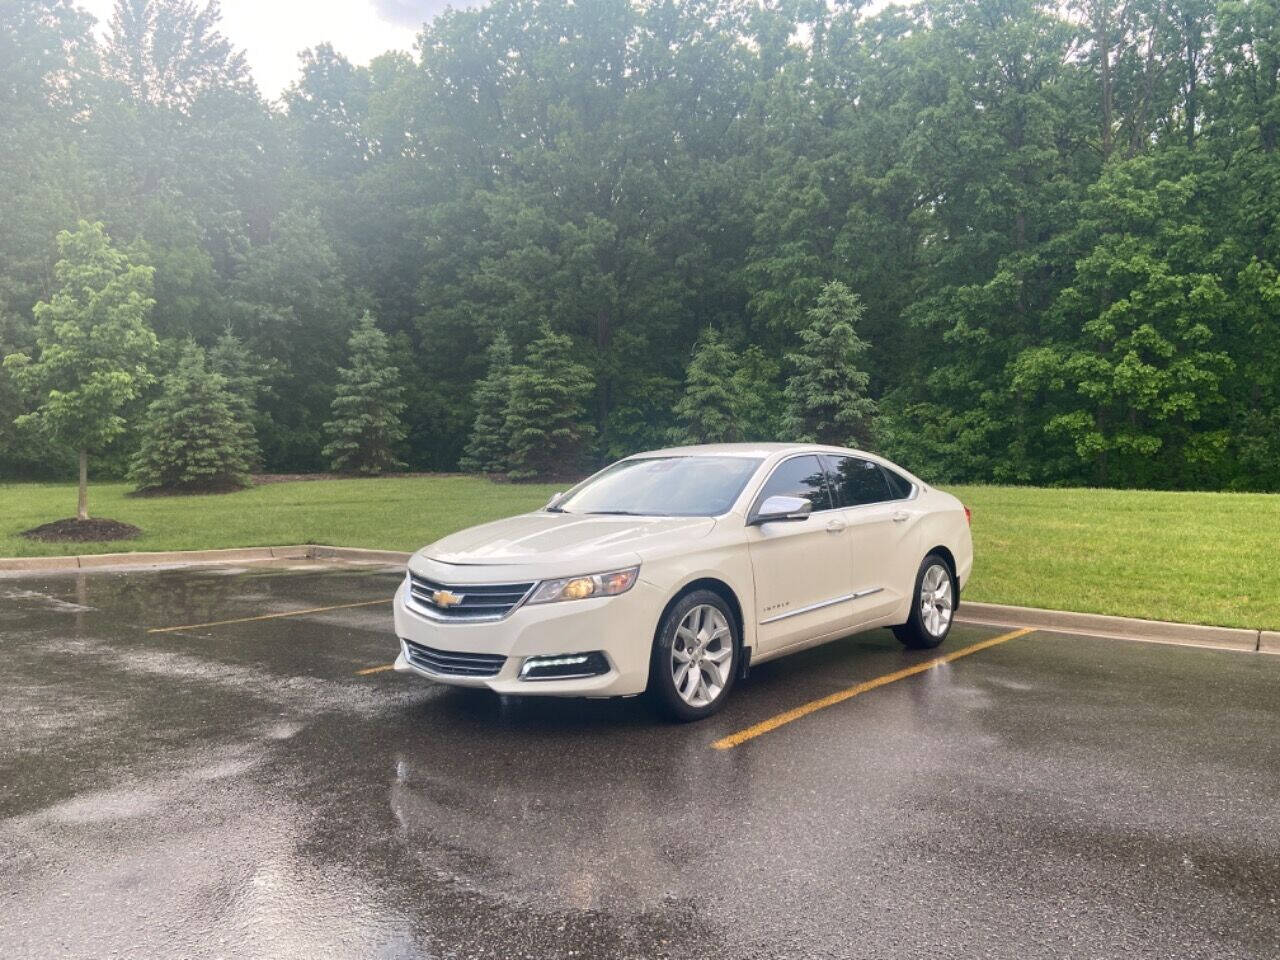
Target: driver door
[801, 567]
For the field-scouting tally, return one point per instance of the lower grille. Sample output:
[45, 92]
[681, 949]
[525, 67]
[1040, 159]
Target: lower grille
[452, 663]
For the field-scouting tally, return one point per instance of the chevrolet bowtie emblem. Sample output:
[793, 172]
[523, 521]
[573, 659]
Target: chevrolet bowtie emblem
[446, 598]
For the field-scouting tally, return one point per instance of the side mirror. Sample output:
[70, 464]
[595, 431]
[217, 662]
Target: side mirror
[552, 502]
[781, 508]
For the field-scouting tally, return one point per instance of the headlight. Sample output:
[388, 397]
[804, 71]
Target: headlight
[589, 585]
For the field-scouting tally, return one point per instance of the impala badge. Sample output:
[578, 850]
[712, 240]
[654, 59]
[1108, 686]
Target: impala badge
[446, 598]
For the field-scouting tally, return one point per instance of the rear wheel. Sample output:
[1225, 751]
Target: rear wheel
[695, 657]
[931, 613]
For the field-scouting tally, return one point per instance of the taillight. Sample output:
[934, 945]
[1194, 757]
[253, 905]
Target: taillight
[968, 516]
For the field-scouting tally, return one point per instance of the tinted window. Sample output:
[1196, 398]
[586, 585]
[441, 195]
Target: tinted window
[858, 481]
[664, 487]
[898, 484]
[798, 477]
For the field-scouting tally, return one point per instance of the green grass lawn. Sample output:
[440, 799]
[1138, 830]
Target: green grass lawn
[392, 513]
[1193, 557]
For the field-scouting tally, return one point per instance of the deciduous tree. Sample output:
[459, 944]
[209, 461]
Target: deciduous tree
[94, 348]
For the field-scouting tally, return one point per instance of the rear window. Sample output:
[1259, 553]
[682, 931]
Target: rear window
[857, 481]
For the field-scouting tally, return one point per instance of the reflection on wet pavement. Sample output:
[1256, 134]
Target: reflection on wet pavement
[241, 791]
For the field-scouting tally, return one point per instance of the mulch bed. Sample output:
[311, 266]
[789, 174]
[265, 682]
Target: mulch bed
[262, 479]
[72, 530]
[197, 490]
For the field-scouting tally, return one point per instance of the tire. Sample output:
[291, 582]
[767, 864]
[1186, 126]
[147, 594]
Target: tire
[932, 607]
[700, 628]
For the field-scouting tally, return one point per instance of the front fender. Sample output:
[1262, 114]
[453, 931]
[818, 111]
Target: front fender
[674, 575]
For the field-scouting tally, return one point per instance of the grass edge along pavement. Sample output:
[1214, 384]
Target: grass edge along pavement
[1168, 556]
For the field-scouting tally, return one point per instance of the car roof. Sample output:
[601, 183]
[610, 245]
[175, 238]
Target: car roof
[742, 450]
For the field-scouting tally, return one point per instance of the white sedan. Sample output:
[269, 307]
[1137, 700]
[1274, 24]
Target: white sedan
[672, 571]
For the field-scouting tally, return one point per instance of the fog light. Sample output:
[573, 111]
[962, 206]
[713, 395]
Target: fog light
[570, 666]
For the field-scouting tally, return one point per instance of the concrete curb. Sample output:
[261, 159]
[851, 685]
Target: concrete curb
[1119, 628]
[91, 561]
[1269, 641]
[358, 553]
[39, 563]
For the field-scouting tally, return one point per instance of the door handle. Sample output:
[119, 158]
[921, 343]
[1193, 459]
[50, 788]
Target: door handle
[835, 526]
[900, 516]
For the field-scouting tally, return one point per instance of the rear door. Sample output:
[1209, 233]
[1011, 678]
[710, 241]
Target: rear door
[801, 567]
[883, 561]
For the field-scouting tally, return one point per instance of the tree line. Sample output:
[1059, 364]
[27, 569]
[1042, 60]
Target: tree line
[998, 240]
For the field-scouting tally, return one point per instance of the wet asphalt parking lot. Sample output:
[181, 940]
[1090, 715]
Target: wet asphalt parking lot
[250, 789]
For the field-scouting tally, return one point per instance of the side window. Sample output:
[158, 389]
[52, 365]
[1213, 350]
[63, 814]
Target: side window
[798, 477]
[898, 484]
[858, 482]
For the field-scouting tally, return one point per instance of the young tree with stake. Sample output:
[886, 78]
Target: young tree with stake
[93, 347]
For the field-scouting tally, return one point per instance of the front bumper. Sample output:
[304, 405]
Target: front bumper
[621, 627]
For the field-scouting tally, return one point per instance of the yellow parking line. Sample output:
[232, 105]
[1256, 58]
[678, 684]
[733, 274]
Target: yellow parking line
[270, 616]
[368, 670]
[781, 719]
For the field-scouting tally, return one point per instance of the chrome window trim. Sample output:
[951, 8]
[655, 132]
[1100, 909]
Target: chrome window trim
[822, 604]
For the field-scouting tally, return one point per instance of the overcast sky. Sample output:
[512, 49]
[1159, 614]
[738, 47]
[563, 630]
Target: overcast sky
[272, 32]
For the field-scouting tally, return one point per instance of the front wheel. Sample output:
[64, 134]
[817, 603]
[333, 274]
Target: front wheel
[935, 593]
[695, 657]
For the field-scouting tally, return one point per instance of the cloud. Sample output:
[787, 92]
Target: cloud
[414, 13]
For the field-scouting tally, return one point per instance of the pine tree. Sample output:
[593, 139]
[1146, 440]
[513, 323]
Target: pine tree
[545, 421]
[711, 409]
[366, 409]
[756, 381]
[486, 450]
[826, 398]
[192, 438]
[244, 376]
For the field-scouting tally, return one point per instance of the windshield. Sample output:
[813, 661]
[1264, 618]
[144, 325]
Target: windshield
[663, 487]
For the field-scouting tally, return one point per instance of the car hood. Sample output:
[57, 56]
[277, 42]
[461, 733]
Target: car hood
[562, 544]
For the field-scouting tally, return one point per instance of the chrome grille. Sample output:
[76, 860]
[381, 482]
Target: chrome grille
[452, 662]
[474, 601]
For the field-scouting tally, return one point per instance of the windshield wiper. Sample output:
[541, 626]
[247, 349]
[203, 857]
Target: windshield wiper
[615, 513]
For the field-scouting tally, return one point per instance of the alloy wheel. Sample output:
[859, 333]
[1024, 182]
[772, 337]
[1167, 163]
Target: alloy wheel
[701, 655]
[935, 600]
